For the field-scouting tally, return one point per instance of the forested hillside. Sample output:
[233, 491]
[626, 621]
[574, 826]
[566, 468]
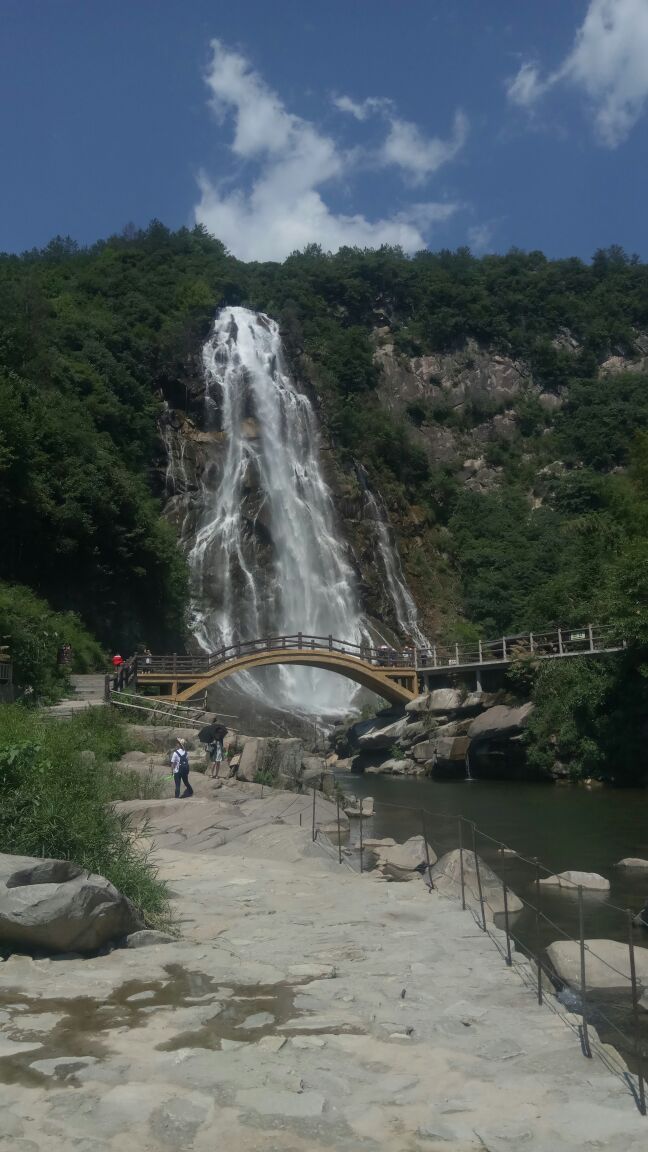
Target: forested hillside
[93, 341]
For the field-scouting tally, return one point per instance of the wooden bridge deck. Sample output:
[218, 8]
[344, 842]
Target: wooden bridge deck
[394, 675]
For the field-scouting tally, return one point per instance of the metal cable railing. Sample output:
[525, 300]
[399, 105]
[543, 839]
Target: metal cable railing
[476, 893]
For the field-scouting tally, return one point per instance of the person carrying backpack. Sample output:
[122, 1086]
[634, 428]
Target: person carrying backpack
[180, 766]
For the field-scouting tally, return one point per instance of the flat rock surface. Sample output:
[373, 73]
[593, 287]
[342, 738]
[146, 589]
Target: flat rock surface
[607, 964]
[571, 881]
[305, 1008]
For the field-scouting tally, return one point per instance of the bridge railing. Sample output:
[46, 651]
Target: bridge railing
[554, 643]
[179, 666]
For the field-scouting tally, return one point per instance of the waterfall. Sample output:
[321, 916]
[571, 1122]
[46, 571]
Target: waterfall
[264, 551]
[401, 597]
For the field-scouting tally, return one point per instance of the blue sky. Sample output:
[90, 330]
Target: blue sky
[424, 122]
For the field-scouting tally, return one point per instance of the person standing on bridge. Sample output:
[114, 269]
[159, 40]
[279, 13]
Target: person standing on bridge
[180, 766]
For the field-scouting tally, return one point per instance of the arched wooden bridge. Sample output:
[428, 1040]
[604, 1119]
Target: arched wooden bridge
[390, 674]
[395, 675]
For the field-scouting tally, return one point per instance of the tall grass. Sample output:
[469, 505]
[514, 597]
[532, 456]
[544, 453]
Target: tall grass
[55, 803]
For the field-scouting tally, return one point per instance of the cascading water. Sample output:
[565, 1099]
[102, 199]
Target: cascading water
[265, 556]
[401, 597]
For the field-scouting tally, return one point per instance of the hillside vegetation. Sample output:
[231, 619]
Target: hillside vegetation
[92, 343]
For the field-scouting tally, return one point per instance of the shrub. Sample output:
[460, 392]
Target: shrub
[34, 634]
[56, 804]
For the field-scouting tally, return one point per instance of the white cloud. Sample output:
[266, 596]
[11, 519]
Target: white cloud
[417, 154]
[525, 88]
[281, 206]
[608, 63]
[361, 110]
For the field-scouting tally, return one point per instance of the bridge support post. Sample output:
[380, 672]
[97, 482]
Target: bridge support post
[590, 633]
[478, 680]
[314, 829]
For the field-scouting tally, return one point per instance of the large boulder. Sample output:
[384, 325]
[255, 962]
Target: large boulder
[573, 880]
[500, 722]
[382, 737]
[280, 760]
[402, 767]
[439, 700]
[444, 750]
[405, 861]
[607, 964]
[54, 906]
[446, 878]
[632, 862]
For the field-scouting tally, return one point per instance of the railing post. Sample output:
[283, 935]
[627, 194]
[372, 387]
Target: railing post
[503, 647]
[361, 845]
[478, 874]
[175, 664]
[583, 973]
[635, 1019]
[314, 829]
[461, 863]
[481, 654]
[107, 684]
[537, 929]
[560, 642]
[337, 800]
[427, 851]
[509, 958]
[330, 642]
[299, 639]
[434, 655]
[590, 632]
[531, 642]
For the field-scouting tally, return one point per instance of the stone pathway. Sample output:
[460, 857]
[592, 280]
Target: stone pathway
[306, 1008]
[88, 693]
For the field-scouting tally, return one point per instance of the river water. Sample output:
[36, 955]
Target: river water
[564, 827]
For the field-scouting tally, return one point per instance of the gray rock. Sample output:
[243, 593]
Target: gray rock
[573, 880]
[446, 878]
[382, 736]
[442, 749]
[607, 964]
[439, 700]
[632, 862]
[403, 861]
[402, 767]
[282, 759]
[53, 905]
[147, 938]
[355, 807]
[87, 757]
[500, 721]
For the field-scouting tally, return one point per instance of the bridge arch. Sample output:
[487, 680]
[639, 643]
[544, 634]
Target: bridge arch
[191, 677]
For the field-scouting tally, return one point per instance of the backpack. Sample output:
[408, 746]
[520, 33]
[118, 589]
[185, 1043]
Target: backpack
[183, 761]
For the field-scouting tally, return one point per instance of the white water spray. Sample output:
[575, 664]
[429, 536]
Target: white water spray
[266, 557]
[401, 597]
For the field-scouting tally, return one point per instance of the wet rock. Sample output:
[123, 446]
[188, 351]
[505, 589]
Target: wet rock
[573, 880]
[442, 750]
[55, 906]
[632, 862]
[607, 964]
[446, 878]
[394, 767]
